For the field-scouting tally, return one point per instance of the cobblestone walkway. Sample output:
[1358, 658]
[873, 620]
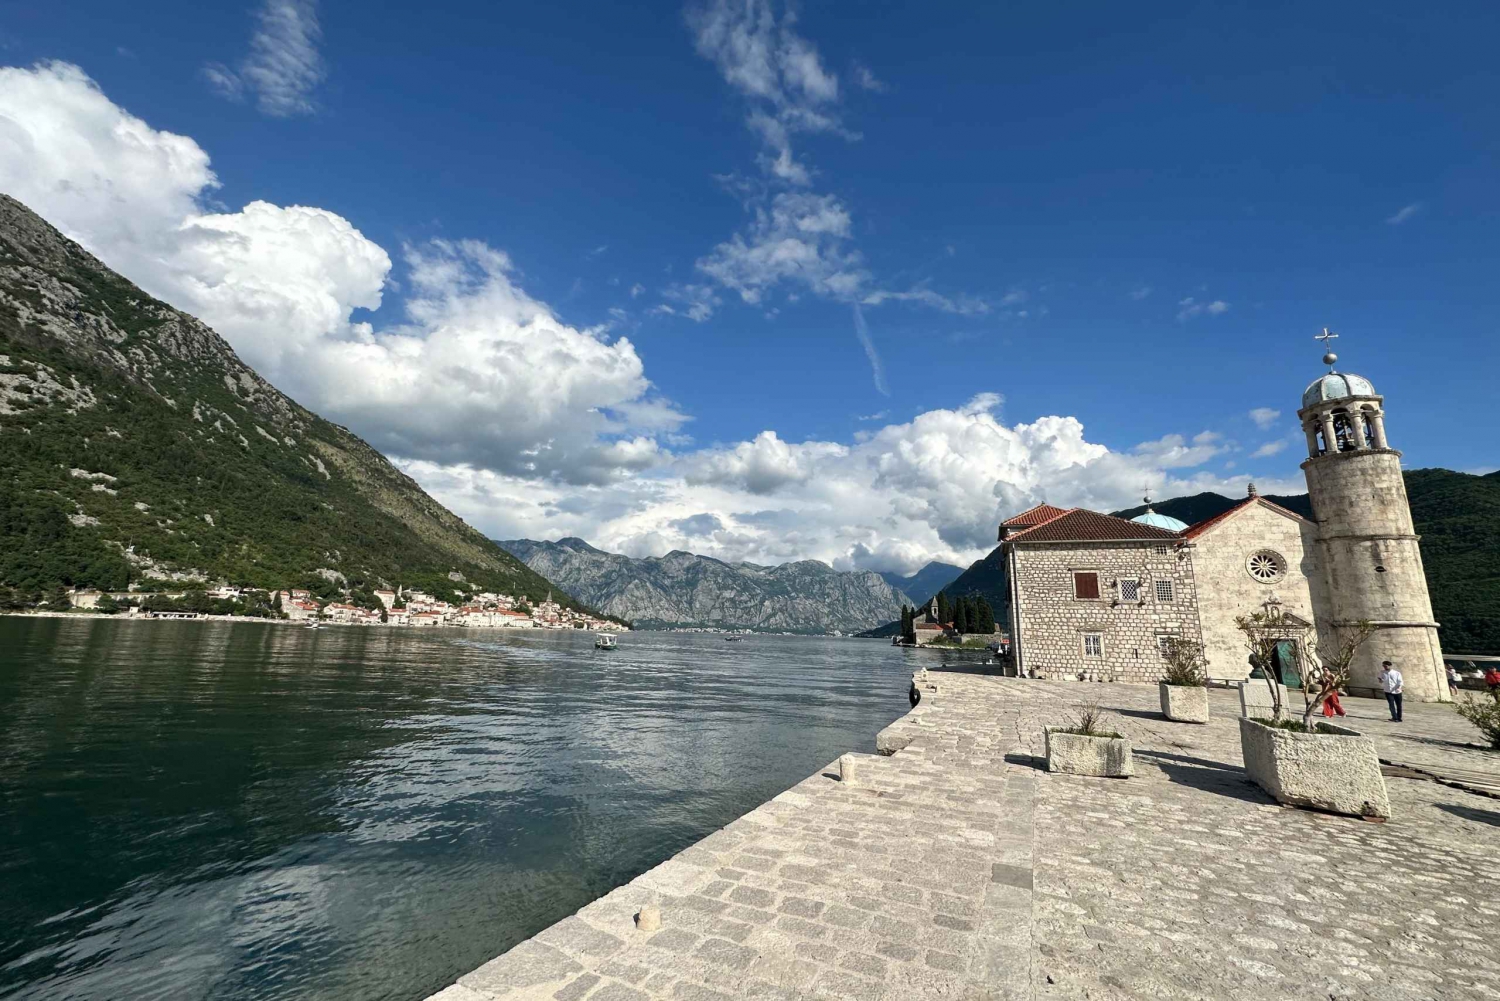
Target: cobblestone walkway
[957, 869]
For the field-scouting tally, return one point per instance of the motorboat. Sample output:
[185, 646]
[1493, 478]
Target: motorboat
[605, 641]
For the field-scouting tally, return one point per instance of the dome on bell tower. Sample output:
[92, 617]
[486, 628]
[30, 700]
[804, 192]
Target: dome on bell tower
[1336, 386]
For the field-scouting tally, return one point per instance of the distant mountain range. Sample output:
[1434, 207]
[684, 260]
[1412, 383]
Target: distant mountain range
[680, 589]
[925, 582]
[134, 444]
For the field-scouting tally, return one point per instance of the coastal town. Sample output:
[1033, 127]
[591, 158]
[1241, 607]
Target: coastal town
[397, 607]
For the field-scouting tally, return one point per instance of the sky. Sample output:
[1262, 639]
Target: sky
[836, 281]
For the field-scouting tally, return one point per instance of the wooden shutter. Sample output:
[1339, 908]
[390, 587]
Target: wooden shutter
[1085, 584]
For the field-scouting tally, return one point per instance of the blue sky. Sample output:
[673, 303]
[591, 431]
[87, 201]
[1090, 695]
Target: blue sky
[1131, 220]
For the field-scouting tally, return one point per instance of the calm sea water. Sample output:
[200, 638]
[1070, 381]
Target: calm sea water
[216, 810]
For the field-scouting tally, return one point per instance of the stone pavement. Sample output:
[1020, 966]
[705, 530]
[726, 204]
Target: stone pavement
[957, 869]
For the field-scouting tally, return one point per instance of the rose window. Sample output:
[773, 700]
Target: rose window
[1266, 566]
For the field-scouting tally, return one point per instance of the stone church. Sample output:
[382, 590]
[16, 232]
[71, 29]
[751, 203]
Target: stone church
[1098, 597]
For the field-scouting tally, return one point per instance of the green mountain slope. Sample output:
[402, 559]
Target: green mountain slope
[135, 444]
[1458, 517]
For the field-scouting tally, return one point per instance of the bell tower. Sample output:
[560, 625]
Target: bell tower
[1369, 554]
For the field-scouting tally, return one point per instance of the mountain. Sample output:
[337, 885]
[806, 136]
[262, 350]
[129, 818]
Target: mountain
[985, 578]
[135, 444]
[925, 582]
[1458, 517]
[680, 589]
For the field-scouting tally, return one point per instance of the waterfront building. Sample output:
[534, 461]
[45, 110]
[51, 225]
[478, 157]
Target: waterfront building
[1099, 597]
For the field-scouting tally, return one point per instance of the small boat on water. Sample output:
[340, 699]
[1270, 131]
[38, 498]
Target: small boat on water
[604, 641]
[733, 639]
[313, 624]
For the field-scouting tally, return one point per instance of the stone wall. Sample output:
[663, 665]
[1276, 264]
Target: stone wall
[1049, 635]
[1373, 565]
[1226, 588]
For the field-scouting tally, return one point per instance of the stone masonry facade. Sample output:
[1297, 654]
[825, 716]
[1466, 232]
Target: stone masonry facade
[1051, 625]
[1221, 559]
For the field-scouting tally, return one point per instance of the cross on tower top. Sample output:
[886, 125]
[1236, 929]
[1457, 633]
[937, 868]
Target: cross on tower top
[1329, 357]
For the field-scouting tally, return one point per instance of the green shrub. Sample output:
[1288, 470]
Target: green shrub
[1484, 714]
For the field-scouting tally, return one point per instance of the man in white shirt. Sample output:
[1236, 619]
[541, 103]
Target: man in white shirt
[1390, 680]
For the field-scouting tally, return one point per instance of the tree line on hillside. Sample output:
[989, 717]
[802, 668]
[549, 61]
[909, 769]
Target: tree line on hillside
[967, 614]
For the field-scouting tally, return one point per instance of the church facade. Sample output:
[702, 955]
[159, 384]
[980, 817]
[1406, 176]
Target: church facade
[1098, 597]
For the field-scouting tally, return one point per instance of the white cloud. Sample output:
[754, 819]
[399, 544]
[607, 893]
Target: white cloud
[866, 79]
[795, 236]
[696, 302]
[1191, 307]
[1404, 214]
[636, 290]
[1269, 449]
[476, 372]
[283, 67]
[935, 487]
[1264, 417]
[1140, 292]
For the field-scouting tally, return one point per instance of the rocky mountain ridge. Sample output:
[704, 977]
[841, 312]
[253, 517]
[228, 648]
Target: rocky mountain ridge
[681, 589]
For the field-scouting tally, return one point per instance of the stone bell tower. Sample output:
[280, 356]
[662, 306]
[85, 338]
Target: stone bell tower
[1370, 560]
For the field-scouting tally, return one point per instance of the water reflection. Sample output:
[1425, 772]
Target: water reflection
[253, 811]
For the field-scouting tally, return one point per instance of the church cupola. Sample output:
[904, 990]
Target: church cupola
[1341, 412]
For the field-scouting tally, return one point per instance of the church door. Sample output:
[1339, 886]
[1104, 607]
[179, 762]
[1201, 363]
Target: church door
[1288, 671]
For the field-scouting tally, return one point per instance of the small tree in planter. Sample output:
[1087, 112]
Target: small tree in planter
[1264, 631]
[1184, 697]
[1333, 662]
[1086, 748]
[1321, 765]
[1485, 714]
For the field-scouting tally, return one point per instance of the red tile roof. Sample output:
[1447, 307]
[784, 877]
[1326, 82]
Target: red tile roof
[1194, 531]
[1079, 525]
[1034, 516]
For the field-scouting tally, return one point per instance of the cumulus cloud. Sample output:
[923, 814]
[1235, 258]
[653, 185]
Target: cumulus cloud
[1264, 417]
[1269, 449]
[283, 67]
[475, 372]
[1191, 307]
[895, 498]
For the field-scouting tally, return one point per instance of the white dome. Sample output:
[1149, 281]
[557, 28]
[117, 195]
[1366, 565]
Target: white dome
[1160, 521]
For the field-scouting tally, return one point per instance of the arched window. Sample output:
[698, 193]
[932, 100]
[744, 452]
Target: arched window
[1343, 430]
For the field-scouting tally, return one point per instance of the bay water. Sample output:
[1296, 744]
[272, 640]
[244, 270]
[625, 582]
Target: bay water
[243, 810]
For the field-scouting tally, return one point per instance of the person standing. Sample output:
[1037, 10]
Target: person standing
[1331, 704]
[1391, 681]
[1492, 678]
[1452, 681]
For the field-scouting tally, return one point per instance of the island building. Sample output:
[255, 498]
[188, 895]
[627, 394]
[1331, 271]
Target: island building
[1097, 597]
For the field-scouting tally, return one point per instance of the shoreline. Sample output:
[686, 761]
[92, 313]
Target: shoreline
[570, 957]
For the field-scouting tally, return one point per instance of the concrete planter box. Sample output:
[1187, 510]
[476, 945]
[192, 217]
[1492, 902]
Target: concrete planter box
[1255, 697]
[1184, 703]
[1107, 757]
[1338, 772]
